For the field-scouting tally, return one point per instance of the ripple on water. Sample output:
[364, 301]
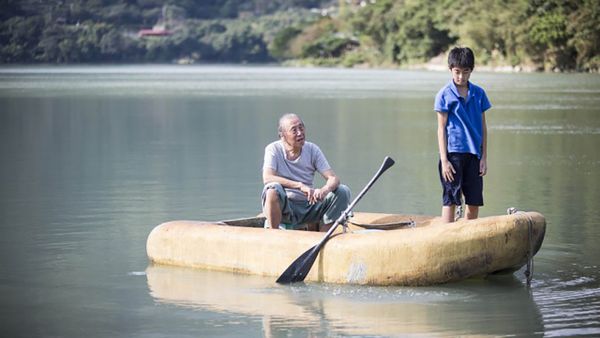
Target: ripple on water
[569, 306]
[381, 294]
[547, 129]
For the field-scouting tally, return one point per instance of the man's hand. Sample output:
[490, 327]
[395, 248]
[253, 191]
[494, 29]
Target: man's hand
[314, 195]
[320, 194]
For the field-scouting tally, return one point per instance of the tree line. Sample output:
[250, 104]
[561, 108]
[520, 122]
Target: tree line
[551, 35]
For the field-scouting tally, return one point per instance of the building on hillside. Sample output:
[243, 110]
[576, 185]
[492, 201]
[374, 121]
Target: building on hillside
[157, 30]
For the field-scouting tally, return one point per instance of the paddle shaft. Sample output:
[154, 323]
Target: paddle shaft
[387, 162]
[298, 270]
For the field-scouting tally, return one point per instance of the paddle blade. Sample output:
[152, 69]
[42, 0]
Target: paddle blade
[298, 270]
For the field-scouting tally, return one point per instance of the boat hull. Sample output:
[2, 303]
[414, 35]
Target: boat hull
[430, 253]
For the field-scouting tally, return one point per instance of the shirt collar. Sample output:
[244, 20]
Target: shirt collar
[455, 90]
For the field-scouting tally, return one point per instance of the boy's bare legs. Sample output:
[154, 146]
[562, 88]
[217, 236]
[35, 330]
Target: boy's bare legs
[448, 213]
[271, 209]
[472, 211]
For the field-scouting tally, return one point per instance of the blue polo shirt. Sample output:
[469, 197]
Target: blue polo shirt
[465, 117]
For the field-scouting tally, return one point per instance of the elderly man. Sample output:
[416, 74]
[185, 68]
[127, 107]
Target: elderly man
[289, 199]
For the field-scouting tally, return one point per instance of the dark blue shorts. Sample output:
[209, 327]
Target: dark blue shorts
[466, 182]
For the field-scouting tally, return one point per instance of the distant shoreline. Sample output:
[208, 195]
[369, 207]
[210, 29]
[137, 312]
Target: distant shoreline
[433, 65]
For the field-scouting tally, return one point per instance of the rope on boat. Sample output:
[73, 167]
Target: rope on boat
[386, 226]
[529, 269]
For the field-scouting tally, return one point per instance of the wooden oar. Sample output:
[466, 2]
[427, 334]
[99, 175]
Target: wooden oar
[298, 270]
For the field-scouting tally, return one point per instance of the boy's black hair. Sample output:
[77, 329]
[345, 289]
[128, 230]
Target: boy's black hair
[461, 57]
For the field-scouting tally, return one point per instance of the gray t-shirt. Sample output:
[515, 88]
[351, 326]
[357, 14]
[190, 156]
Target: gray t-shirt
[302, 169]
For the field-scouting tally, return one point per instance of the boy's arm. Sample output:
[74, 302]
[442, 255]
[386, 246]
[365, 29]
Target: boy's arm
[447, 168]
[483, 161]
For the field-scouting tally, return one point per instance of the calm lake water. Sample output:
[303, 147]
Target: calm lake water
[94, 157]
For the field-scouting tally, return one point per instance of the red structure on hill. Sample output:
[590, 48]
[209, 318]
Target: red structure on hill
[155, 31]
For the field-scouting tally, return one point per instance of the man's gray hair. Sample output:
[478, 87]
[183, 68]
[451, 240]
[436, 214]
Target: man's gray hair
[286, 117]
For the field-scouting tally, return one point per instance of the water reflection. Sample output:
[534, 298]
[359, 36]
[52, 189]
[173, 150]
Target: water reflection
[497, 306]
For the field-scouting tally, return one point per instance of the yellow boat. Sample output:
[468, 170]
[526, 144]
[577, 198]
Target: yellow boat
[414, 250]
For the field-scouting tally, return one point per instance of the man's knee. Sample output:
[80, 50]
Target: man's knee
[271, 196]
[343, 194]
[272, 192]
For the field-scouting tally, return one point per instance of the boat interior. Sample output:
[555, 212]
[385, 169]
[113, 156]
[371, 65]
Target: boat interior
[369, 221]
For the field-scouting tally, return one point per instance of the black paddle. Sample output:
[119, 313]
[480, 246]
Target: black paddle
[298, 270]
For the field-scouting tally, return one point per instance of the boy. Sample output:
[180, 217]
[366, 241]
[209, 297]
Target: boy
[462, 136]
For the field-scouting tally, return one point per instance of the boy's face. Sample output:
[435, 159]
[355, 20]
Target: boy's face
[460, 76]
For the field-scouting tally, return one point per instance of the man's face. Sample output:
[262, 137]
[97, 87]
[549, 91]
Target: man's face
[293, 132]
[460, 76]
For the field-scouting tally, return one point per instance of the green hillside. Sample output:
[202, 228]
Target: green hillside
[550, 35]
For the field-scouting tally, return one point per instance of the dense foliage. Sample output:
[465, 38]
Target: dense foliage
[537, 34]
